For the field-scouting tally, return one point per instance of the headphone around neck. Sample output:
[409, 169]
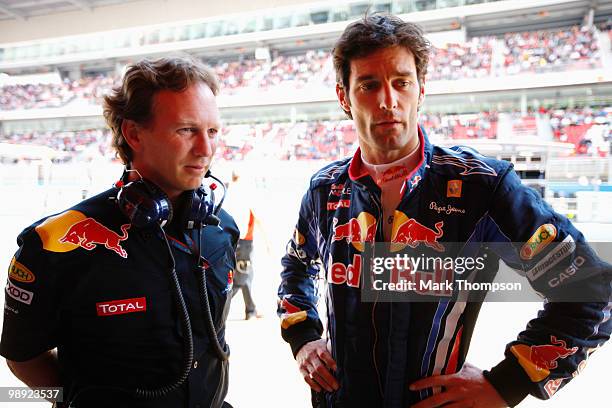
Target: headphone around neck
[145, 204]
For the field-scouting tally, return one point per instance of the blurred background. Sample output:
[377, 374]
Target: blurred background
[529, 82]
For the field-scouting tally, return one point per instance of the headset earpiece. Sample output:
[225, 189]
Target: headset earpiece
[201, 208]
[144, 204]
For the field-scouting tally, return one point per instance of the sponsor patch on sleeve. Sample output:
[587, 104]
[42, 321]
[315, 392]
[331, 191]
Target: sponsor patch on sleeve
[20, 273]
[72, 229]
[540, 239]
[539, 360]
[293, 314]
[19, 294]
[556, 255]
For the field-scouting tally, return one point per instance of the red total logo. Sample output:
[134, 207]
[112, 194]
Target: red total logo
[115, 307]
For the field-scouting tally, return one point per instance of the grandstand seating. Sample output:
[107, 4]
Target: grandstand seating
[330, 140]
[536, 51]
[545, 51]
[539, 51]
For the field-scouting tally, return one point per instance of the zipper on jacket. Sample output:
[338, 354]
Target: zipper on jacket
[379, 234]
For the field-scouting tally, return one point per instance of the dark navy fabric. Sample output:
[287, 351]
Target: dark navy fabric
[381, 348]
[89, 256]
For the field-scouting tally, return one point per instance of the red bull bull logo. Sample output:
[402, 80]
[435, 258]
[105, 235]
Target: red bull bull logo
[357, 231]
[538, 360]
[409, 232]
[293, 314]
[545, 356]
[89, 233]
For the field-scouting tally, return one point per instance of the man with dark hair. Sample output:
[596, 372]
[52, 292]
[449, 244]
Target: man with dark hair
[412, 353]
[122, 299]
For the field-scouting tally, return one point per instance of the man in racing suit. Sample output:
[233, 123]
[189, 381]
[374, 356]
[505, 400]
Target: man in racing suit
[400, 354]
[117, 286]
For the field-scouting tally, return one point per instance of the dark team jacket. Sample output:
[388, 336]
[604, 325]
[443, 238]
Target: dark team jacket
[100, 291]
[380, 348]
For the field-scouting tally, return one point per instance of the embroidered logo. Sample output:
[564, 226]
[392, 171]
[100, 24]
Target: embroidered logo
[88, 233]
[453, 188]
[116, 307]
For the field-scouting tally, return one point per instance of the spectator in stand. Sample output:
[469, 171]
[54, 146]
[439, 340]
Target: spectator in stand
[79, 145]
[455, 61]
[538, 51]
[542, 51]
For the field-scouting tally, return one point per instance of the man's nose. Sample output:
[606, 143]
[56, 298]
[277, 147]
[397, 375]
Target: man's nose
[204, 145]
[388, 97]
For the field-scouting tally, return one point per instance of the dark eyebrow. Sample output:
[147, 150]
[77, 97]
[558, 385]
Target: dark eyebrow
[187, 123]
[408, 73]
[368, 77]
[364, 78]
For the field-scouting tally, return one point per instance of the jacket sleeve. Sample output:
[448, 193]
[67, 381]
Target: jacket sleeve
[576, 286]
[297, 294]
[31, 309]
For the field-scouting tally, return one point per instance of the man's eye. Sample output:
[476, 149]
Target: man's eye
[213, 132]
[367, 86]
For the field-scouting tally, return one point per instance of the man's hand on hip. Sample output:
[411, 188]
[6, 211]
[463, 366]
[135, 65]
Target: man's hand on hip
[467, 388]
[315, 364]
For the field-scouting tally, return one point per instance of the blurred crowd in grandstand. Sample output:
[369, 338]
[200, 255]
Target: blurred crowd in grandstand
[543, 51]
[514, 53]
[526, 52]
[330, 140]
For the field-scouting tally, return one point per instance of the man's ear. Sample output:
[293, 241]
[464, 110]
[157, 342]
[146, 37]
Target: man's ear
[421, 95]
[343, 99]
[131, 133]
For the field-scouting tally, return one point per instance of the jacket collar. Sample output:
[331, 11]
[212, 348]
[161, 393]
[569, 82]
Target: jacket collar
[358, 173]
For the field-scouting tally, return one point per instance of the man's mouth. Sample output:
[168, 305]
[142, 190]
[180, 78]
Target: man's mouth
[388, 123]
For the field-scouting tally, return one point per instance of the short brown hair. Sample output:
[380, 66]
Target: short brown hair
[133, 98]
[374, 32]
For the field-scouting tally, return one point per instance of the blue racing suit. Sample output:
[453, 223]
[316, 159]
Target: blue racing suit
[381, 348]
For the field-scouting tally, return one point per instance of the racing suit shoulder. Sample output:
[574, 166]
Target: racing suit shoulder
[330, 174]
[46, 249]
[43, 231]
[463, 161]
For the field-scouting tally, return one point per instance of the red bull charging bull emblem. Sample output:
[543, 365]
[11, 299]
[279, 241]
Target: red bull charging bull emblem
[538, 360]
[357, 231]
[89, 233]
[292, 315]
[409, 232]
